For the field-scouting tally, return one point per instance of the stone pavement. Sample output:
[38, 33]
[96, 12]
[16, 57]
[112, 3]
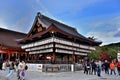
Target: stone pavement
[79, 75]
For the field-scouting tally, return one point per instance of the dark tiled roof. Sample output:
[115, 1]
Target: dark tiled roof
[9, 38]
[46, 22]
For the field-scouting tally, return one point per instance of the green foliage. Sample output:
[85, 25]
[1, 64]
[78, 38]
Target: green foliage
[113, 53]
[110, 50]
[113, 49]
[94, 55]
[104, 49]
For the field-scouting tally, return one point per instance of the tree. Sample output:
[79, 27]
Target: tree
[108, 53]
[104, 49]
[105, 56]
[113, 53]
[104, 53]
[94, 55]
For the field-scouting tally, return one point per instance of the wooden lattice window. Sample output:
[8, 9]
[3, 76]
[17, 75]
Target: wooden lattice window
[39, 29]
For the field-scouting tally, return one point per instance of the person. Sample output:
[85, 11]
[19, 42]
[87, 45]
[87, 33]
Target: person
[4, 66]
[22, 70]
[19, 69]
[102, 67]
[98, 71]
[112, 68]
[16, 64]
[94, 67]
[85, 66]
[88, 67]
[11, 68]
[1, 62]
[8, 66]
[118, 67]
[106, 66]
[100, 64]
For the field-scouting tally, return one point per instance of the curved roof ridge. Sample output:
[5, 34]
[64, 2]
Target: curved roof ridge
[41, 16]
[66, 26]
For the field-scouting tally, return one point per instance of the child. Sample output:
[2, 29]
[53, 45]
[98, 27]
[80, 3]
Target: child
[98, 71]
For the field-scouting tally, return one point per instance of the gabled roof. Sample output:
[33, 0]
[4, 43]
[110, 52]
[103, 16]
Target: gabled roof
[47, 22]
[9, 38]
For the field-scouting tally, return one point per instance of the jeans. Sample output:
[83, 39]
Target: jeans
[112, 71]
[10, 73]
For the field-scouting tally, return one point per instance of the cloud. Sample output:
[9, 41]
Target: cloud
[2, 24]
[118, 33]
[107, 30]
[105, 37]
[106, 25]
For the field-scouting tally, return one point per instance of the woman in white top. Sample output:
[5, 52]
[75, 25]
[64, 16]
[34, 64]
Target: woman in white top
[22, 70]
[4, 65]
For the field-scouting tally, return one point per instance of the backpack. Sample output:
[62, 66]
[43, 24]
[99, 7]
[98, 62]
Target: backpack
[26, 67]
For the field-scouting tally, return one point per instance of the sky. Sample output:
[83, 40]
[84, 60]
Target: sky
[98, 18]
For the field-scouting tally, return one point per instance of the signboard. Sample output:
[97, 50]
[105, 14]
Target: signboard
[118, 56]
[35, 67]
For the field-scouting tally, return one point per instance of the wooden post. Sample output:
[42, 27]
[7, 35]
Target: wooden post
[53, 57]
[53, 54]
[8, 55]
[73, 58]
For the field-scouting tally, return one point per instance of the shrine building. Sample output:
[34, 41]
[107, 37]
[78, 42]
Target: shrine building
[50, 41]
[9, 48]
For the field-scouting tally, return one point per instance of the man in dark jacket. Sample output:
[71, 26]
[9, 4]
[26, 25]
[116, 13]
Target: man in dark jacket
[94, 67]
[106, 66]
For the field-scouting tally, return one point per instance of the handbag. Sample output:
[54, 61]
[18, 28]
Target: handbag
[22, 73]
